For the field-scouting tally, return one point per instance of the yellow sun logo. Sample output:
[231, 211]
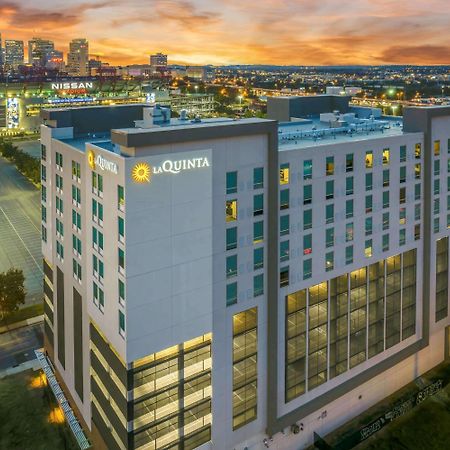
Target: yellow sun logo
[141, 173]
[91, 159]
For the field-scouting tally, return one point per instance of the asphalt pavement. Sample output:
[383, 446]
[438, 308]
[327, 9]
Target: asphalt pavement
[17, 346]
[20, 224]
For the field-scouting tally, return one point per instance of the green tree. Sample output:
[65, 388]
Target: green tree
[12, 291]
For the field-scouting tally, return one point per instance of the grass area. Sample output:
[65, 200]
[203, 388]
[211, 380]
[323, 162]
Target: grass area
[23, 314]
[425, 428]
[29, 416]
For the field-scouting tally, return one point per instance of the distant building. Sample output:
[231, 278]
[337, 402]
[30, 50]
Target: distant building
[340, 90]
[39, 50]
[14, 54]
[55, 60]
[158, 61]
[78, 58]
[202, 73]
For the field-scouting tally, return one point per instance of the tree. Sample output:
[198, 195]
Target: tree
[12, 291]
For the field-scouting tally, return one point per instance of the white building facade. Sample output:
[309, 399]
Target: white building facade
[217, 284]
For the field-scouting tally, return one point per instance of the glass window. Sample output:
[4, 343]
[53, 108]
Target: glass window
[436, 225]
[284, 250]
[284, 199]
[386, 221]
[284, 225]
[307, 219]
[402, 153]
[386, 177]
[417, 232]
[231, 238]
[385, 242]
[329, 261]
[369, 181]
[284, 173]
[258, 258]
[329, 213]
[307, 194]
[349, 232]
[349, 162]
[436, 206]
[121, 259]
[349, 254]
[258, 204]
[231, 182]
[417, 192]
[120, 197]
[437, 148]
[121, 323]
[402, 195]
[402, 236]
[329, 190]
[368, 226]
[329, 237]
[369, 203]
[369, 160]
[368, 248]
[437, 167]
[417, 211]
[386, 199]
[307, 169]
[258, 232]
[284, 276]
[349, 186]
[258, 285]
[386, 156]
[402, 216]
[44, 153]
[258, 178]
[349, 209]
[418, 151]
[436, 187]
[231, 210]
[121, 227]
[231, 269]
[417, 171]
[307, 244]
[329, 169]
[403, 174]
[307, 269]
[121, 291]
[231, 293]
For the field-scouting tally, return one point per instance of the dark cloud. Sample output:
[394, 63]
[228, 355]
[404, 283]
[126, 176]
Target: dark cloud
[418, 54]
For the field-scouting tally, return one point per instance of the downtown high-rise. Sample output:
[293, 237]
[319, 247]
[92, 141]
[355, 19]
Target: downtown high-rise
[215, 283]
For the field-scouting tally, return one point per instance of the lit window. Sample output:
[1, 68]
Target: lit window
[231, 210]
[402, 216]
[368, 248]
[329, 170]
[369, 160]
[386, 156]
[349, 232]
[284, 173]
[418, 151]
[437, 148]
[307, 244]
[417, 171]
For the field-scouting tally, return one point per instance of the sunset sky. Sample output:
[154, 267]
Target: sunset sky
[302, 32]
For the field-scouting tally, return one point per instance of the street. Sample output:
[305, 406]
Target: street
[17, 346]
[20, 241]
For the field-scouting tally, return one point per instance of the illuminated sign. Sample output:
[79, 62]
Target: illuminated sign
[101, 162]
[12, 113]
[75, 85]
[142, 172]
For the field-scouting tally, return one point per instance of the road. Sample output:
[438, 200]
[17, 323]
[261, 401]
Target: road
[20, 224]
[17, 346]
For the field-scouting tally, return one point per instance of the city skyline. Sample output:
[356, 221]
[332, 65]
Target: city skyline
[265, 32]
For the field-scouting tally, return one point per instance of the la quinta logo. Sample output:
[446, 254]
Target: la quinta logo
[142, 172]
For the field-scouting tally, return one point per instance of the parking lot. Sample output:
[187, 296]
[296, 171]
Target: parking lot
[20, 241]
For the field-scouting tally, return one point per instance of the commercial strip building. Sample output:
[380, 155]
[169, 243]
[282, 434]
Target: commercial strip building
[22, 102]
[241, 284]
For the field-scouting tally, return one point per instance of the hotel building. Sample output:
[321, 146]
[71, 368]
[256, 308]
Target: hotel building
[242, 284]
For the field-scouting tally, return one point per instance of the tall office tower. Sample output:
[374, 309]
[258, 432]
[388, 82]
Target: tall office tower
[158, 61]
[1, 53]
[78, 58]
[14, 54]
[38, 51]
[55, 60]
[215, 284]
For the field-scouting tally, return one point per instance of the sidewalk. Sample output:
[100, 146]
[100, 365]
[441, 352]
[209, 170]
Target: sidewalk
[22, 323]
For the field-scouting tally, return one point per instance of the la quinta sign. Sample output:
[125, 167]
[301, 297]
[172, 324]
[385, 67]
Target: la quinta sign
[102, 163]
[143, 172]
